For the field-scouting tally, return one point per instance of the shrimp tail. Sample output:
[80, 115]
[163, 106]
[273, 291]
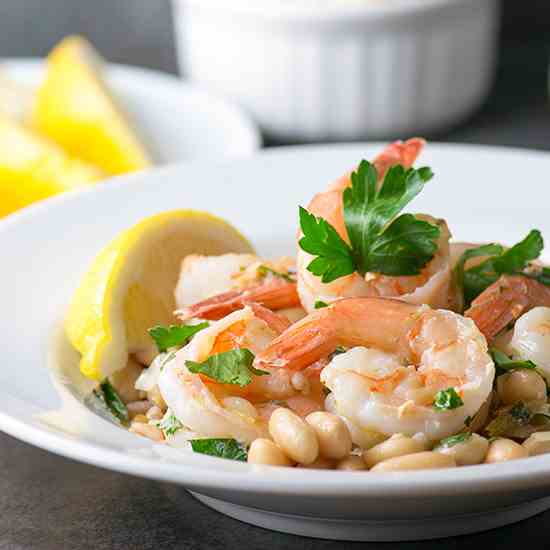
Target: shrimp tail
[505, 301]
[276, 294]
[380, 322]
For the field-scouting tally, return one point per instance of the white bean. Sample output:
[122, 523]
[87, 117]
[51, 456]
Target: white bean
[240, 405]
[396, 445]
[470, 451]
[537, 443]
[147, 430]
[264, 451]
[321, 463]
[364, 439]
[333, 435]
[352, 463]
[294, 436]
[521, 385]
[502, 450]
[425, 460]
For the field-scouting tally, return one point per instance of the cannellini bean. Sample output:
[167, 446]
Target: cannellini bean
[141, 418]
[471, 451]
[294, 436]
[521, 385]
[502, 450]
[155, 396]
[396, 445]
[352, 463]
[147, 430]
[146, 357]
[364, 439]
[321, 463]
[333, 435]
[417, 461]
[264, 451]
[537, 443]
[154, 413]
[241, 405]
[124, 381]
[138, 407]
[480, 418]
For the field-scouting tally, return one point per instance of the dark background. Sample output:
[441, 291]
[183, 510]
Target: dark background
[47, 502]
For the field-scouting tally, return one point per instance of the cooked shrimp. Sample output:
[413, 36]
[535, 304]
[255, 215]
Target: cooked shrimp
[402, 355]
[431, 286]
[505, 301]
[224, 410]
[531, 338]
[211, 287]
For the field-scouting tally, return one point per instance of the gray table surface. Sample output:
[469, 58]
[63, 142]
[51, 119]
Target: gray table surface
[48, 502]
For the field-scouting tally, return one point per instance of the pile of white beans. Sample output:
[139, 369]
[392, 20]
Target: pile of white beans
[322, 440]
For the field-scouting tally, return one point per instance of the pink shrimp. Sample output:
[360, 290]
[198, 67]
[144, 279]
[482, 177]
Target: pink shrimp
[431, 286]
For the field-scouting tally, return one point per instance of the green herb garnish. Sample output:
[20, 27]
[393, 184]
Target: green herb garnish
[229, 367]
[504, 364]
[113, 401]
[455, 439]
[513, 261]
[170, 425]
[174, 335]
[319, 304]
[446, 400]
[264, 271]
[468, 421]
[381, 241]
[221, 448]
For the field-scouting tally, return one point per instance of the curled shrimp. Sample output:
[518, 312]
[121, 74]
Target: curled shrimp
[211, 287]
[431, 286]
[505, 301]
[401, 356]
[225, 410]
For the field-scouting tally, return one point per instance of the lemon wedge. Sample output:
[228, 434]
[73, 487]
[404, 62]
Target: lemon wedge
[32, 168]
[130, 286]
[74, 108]
[15, 99]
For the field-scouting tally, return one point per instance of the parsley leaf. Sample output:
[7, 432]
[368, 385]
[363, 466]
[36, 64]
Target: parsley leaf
[455, 439]
[264, 271]
[513, 261]
[229, 367]
[174, 335]
[170, 425]
[504, 364]
[319, 304]
[334, 256]
[447, 399]
[113, 401]
[381, 241]
[221, 448]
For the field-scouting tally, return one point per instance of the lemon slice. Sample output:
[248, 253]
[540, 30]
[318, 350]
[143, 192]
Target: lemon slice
[15, 99]
[130, 286]
[31, 168]
[74, 108]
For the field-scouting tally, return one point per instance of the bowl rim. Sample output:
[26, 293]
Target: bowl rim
[210, 472]
[334, 11]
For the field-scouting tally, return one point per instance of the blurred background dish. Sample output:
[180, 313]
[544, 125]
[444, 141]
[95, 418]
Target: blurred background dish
[326, 70]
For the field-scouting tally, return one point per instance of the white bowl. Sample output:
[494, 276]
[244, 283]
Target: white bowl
[178, 121]
[342, 69]
[46, 248]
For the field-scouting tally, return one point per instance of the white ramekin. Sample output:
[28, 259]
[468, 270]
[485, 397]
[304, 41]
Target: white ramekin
[342, 69]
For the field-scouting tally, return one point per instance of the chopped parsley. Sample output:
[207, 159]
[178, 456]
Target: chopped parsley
[170, 425]
[229, 367]
[107, 394]
[455, 439]
[221, 448]
[264, 271]
[504, 364]
[500, 261]
[319, 304]
[446, 400]
[166, 337]
[381, 240]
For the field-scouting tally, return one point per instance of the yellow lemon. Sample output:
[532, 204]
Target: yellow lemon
[32, 168]
[130, 286]
[74, 108]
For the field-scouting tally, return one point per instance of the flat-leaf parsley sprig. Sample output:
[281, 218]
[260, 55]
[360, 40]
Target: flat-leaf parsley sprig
[381, 240]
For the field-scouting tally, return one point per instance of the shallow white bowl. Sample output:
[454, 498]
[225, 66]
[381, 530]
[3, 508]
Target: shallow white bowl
[342, 69]
[484, 193]
[177, 121]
